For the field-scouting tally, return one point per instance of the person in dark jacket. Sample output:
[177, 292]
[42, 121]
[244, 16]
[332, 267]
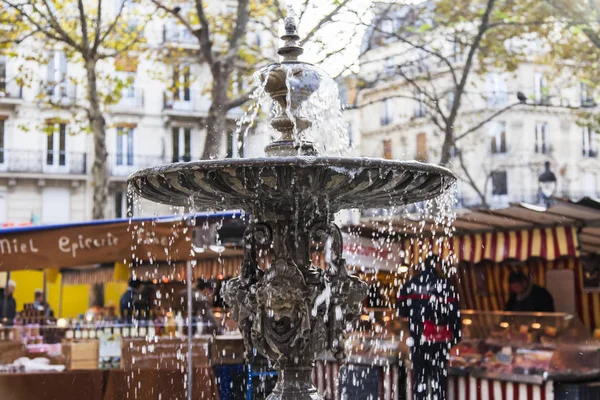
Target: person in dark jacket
[129, 299]
[8, 305]
[527, 297]
[203, 300]
[40, 304]
[431, 305]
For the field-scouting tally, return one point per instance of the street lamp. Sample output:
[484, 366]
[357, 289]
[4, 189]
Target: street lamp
[547, 184]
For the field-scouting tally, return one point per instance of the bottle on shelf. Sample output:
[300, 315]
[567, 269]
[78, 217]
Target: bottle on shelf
[179, 323]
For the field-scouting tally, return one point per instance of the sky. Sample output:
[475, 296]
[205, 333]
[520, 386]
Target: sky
[343, 36]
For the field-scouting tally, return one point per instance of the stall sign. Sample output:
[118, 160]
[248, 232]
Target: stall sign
[78, 245]
[110, 352]
[372, 254]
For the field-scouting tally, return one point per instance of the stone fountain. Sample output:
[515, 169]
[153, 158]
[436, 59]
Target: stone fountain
[293, 311]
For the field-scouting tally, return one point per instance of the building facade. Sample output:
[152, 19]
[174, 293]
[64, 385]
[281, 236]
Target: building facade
[45, 155]
[505, 156]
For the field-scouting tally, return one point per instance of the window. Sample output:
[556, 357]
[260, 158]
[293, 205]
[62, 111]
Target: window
[56, 145]
[496, 89]
[386, 118]
[128, 92]
[450, 99]
[542, 142]
[123, 205]
[421, 147]
[237, 83]
[419, 105]
[124, 145]
[349, 133]
[499, 183]
[57, 75]
[540, 88]
[2, 149]
[181, 83]
[235, 144]
[387, 149]
[458, 49]
[586, 95]
[387, 26]
[590, 148]
[390, 67]
[182, 138]
[498, 137]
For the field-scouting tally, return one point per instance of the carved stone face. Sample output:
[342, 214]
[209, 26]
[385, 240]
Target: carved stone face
[282, 299]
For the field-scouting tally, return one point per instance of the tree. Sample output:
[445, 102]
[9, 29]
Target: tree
[444, 46]
[223, 34]
[90, 33]
[576, 50]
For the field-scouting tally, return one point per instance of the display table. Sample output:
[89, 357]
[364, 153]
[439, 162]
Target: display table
[107, 385]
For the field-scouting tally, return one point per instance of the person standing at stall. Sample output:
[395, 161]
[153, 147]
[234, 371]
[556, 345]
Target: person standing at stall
[431, 305]
[203, 299]
[129, 299]
[8, 305]
[527, 297]
[40, 303]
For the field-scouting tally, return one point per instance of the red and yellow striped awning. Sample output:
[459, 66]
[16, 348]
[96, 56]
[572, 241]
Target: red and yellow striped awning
[543, 243]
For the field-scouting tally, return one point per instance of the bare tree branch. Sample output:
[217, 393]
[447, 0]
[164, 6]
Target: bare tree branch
[98, 25]
[470, 179]
[485, 121]
[111, 27]
[84, 32]
[204, 35]
[241, 25]
[327, 19]
[239, 101]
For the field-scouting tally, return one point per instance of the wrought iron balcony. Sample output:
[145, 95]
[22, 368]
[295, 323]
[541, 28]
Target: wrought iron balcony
[43, 162]
[60, 93]
[184, 103]
[130, 99]
[177, 34]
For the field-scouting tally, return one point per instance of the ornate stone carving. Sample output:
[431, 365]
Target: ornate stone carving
[294, 311]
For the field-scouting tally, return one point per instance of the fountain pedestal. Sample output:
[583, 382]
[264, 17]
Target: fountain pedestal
[294, 311]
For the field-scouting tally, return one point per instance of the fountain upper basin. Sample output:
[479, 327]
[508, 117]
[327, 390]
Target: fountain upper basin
[289, 183]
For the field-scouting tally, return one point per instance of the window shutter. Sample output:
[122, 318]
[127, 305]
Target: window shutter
[421, 147]
[387, 149]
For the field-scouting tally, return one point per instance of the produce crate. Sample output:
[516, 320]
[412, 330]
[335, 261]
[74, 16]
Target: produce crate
[81, 355]
[11, 350]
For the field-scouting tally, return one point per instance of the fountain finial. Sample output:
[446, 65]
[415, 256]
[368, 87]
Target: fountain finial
[291, 49]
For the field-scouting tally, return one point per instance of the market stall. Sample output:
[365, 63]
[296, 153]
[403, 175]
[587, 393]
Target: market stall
[556, 247]
[119, 358]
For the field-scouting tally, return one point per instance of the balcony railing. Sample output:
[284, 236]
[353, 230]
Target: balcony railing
[178, 35]
[41, 161]
[124, 165]
[131, 99]
[60, 93]
[497, 99]
[9, 89]
[183, 105]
